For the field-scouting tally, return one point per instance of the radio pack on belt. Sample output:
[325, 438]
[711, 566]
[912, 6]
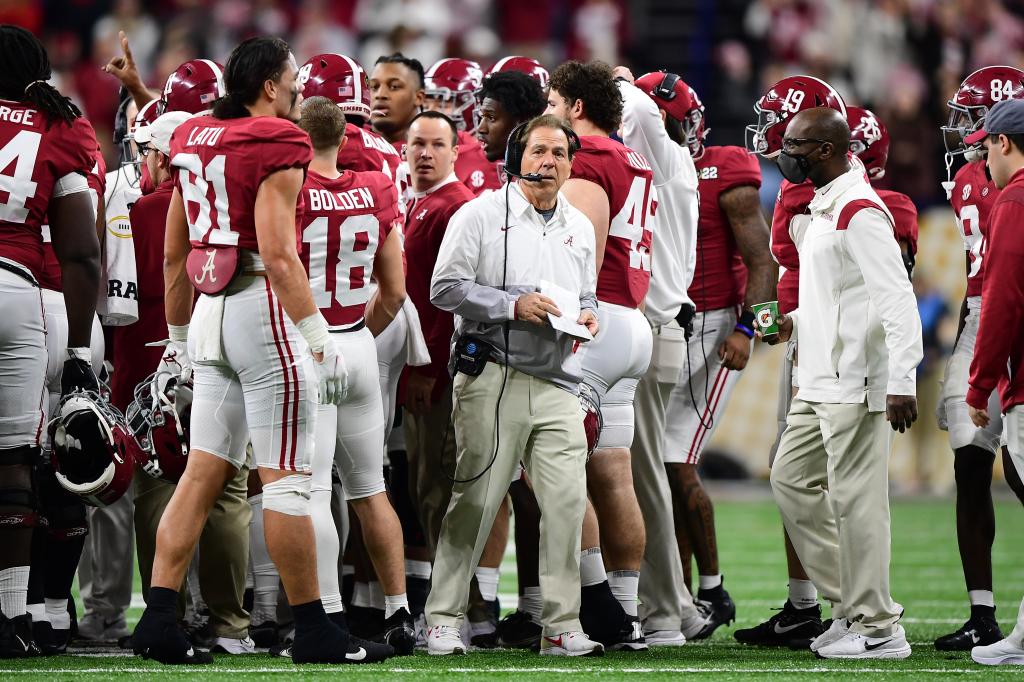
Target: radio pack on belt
[471, 355]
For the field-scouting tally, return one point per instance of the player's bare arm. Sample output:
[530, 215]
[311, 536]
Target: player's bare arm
[78, 251]
[592, 200]
[390, 275]
[178, 291]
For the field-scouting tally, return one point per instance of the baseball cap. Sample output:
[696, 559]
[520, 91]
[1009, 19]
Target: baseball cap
[158, 133]
[668, 91]
[1006, 118]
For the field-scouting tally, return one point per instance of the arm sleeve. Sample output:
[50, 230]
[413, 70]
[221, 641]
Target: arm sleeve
[453, 286]
[588, 295]
[643, 131]
[869, 239]
[1001, 303]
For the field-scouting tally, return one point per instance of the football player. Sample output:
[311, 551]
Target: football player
[972, 194]
[396, 90]
[613, 185]
[349, 233]
[262, 349]
[49, 149]
[507, 98]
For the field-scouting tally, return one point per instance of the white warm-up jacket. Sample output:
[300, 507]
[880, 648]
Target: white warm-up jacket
[858, 325]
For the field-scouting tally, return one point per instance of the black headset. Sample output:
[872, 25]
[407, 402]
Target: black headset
[516, 147]
[666, 89]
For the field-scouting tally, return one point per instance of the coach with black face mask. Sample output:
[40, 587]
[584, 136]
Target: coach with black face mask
[505, 259]
[860, 344]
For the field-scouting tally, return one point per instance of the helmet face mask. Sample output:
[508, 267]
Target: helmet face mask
[978, 93]
[452, 85]
[159, 418]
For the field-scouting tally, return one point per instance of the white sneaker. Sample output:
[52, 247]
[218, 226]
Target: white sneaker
[420, 627]
[665, 638]
[444, 640]
[570, 644]
[1008, 651]
[835, 632]
[228, 645]
[856, 645]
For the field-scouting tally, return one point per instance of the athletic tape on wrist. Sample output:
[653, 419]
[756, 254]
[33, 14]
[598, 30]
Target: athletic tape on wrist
[314, 331]
[177, 333]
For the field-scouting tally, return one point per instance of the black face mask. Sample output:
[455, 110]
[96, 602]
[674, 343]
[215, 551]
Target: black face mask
[794, 167]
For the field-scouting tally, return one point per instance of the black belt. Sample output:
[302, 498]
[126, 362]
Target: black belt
[348, 330]
[24, 274]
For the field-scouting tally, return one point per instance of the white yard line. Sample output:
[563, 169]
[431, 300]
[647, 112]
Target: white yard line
[524, 670]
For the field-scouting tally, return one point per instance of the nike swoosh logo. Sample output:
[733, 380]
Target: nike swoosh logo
[974, 636]
[190, 652]
[554, 641]
[357, 656]
[872, 647]
[506, 229]
[24, 644]
[779, 630]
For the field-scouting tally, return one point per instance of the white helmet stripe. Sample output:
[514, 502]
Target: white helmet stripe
[219, 75]
[357, 82]
[839, 98]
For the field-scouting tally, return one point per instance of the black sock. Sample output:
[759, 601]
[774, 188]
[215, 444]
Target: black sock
[309, 617]
[162, 601]
[980, 611]
[338, 618]
[711, 592]
[417, 590]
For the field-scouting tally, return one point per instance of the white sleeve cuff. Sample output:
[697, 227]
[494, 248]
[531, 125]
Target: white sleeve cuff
[72, 183]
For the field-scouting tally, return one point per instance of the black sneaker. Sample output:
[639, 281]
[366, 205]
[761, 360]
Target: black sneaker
[978, 631]
[400, 632]
[718, 605]
[631, 637]
[346, 649]
[790, 627]
[518, 631]
[162, 640]
[265, 634]
[50, 642]
[16, 637]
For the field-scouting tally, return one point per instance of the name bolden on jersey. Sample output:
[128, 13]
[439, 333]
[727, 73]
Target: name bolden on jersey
[351, 199]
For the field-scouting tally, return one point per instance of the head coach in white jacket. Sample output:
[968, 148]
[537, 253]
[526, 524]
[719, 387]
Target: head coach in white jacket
[860, 343]
[516, 381]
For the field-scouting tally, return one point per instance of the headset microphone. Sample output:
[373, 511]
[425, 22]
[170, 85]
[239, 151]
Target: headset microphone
[532, 177]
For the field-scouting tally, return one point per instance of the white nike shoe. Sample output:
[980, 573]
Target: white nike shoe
[444, 640]
[665, 638]
[856, 645]
[570, 644]
[228, 645]
[1008, 651]
[835, 632]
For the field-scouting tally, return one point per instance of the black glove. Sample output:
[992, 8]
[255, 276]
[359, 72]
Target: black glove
[685, 319]
[77, 374]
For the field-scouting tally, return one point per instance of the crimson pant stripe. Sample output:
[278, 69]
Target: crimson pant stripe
[691, 455]
[295, 381]
[284, 371]
[714, 408]
[45, 393]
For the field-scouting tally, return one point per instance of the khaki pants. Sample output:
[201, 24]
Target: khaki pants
[663, 597]
[223, 548]
[841, 536]
[106, 567]
[544, 422]
[431, 452]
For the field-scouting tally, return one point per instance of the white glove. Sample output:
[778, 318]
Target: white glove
[175, 360]
[332, 374]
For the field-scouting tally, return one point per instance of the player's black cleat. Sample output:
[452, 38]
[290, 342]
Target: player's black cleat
[49, 641]
[16, 637]
[336, 646]
[718, 605]
[400, 632]
[364, 621]
[159, 638]
[631, 638]
[978, 631]
[265, 634]
[518, 631]
[790, 627]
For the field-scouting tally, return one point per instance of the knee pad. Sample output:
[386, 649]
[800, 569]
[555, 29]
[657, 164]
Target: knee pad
[19, 504]
[288, 495]
[617, 429]
[64, 512]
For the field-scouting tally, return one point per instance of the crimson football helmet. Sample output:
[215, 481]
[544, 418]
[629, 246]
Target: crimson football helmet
[455, 82]
[93, 452]
[869, 140]
[977, 94]
[593, 422]
[159, 417]
[786, 98]
[193, 87]
[531, 67]
[340, 79]
[680, 101]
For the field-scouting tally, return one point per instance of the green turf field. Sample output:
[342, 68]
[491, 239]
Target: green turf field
[926, 579]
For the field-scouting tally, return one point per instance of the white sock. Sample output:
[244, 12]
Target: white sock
[57, 614]
[531, 603]
[417, 569]
[487, 581]
[981, 598]
[264, 573]
[38, 613]
[395, 602]
[376, 595]
[802, 593]
[710, 582]
[592, 567]
[332, 603]
[14, 591]
[361, 595]
[624, 586]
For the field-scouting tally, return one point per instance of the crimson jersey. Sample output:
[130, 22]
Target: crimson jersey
[626, 178]
[472, 167]
[974, 195]
[425, 225]
[720, 277]
[904, 213]
[345, 221]
[35, 154]
[49, 275]
[218, 166]
[133, 359]
[791, 202]
[367, 151]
